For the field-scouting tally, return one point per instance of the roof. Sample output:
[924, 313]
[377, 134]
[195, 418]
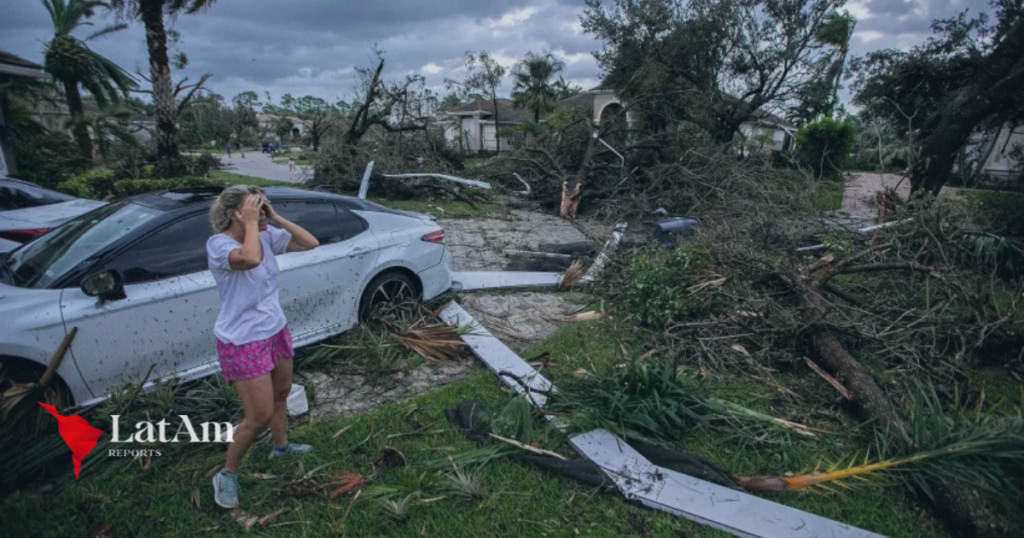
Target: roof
[583, 99]
[507, 110]
[767, 118]
[18, 66]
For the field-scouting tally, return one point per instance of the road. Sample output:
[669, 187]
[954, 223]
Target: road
[260, 165]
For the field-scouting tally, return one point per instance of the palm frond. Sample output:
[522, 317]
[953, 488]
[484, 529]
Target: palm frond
[106, 31]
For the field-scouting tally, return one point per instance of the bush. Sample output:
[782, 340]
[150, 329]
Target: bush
[824, 146]
[130, 187]
[658, 291]
[94, 184]
[48, 159]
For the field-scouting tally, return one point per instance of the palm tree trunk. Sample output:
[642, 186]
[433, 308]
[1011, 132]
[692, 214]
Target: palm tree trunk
[168, 157]
[78, 126]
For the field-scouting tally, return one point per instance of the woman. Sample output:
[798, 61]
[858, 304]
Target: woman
[254, 346]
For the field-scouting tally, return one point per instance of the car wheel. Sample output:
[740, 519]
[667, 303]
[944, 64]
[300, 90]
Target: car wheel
[389, 289]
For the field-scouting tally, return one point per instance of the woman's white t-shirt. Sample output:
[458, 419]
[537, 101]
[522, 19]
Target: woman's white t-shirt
[250, 308]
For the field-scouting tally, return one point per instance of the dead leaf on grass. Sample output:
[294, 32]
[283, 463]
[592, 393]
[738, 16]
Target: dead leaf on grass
[195, 497]
[101, 530]
[262, 476]
[243, 518]
[213, 470]
[348, 482]
[270, 517]
[341, 431]
[585, 316]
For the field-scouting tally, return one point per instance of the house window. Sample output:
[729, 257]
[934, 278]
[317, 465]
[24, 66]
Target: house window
[779, 136]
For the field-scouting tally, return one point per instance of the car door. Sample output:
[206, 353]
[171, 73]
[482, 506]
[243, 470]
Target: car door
[320, 288]
[154, 326]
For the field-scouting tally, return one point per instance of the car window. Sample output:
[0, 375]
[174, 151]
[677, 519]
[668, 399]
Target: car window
[318, 218]
[177, 249]
[25, 196]
[48, 258]
[351, 225]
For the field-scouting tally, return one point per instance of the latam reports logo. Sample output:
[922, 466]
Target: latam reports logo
[82, 438]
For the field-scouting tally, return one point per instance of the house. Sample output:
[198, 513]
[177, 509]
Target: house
[12, 67]
[471, 126]
[268, 125]
[997, 151]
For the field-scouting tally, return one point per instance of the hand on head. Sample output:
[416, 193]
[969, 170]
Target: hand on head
[250, 210]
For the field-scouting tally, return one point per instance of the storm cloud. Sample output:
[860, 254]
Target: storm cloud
[313, 46]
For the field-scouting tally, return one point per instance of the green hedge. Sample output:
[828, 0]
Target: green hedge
[94, 184]
[129, 187]
[824, 146]
[658, 291]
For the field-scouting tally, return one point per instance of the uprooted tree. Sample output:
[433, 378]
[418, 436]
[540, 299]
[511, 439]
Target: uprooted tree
[966, 79]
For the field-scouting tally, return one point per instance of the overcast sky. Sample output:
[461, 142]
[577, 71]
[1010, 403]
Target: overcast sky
[311, 46]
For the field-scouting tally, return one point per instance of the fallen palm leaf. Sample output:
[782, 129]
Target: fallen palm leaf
[529, 448]
[723, 407]
[347, 482]
[572, 275]
[437, 342]
[195, 497]
[261, 476]
[341, 431]
[213, 470]
[33, 392]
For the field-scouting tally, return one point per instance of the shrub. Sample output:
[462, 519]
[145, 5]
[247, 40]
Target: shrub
[48, 159]
[129, 187]
[658, 291]
[824, 146]
[94, 184]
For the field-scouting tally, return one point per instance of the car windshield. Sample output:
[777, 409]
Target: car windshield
[48, 258]
[21, 196]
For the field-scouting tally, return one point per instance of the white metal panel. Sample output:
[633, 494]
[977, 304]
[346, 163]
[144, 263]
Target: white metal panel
[486, 280]
[730, 510]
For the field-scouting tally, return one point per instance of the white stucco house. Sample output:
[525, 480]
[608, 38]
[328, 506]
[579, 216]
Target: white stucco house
[267, 123]
[472, 127]
[996, 150]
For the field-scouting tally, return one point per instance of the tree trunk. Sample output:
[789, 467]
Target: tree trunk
[1001, 78]
[79, 128]
[169, 162]
[572, 186]
[960, 508]
[497, 137]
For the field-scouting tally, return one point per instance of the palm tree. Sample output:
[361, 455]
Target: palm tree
[151, 14]
[71, 61]
[533, 87]
[836, 30]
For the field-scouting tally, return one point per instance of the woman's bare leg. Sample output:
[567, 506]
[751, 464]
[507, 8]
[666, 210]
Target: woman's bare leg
[258, 404]
[281, 376]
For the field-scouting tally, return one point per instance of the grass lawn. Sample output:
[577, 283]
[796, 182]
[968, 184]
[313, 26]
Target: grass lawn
[516, 500]
[828, 196]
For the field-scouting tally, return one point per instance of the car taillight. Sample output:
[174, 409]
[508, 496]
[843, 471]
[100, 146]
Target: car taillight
[23, 236]
[434, 237]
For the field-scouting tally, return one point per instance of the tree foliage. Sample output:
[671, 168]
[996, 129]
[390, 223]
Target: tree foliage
[824, 147]
[967, 77]
[533, 87]
[483, 74]
[709, 62]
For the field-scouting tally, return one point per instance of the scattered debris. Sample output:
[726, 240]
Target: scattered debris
[364, 186]
[341, 431]
[100, 530]
[663, 230]
[525, 184]
[529, 448]
[602, 258]
[572, 275]
[390, 458]
[298, 404]
[831, 380]
[733, 511]
[453, 179]
[195, 497]
[435, 342]
[346, 483]
[486, 280]
[584, 316]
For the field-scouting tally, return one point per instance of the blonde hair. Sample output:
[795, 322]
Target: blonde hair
[227, 203]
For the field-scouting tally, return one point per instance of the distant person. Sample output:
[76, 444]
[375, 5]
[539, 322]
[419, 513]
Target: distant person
[229, 149]
[254, 345]
[291, 164]
[240, 149]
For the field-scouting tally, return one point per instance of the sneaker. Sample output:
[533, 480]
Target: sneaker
[290, 448]
[225, 489]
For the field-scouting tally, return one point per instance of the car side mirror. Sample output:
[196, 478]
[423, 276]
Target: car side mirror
[106, 285]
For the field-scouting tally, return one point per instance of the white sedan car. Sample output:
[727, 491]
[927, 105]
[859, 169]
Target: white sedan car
[132, 276]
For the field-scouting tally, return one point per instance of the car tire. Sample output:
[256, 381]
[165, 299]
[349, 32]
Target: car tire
[391, 287]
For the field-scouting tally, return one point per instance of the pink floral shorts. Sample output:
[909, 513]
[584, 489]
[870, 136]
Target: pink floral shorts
[252, 360]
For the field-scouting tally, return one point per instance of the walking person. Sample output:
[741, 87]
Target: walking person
[254, 345]
[291, 164]
[229, 149]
